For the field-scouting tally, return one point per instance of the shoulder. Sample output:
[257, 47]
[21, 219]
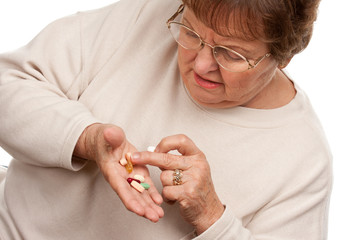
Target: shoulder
[304, 142]
[125, 13]
[124, 23]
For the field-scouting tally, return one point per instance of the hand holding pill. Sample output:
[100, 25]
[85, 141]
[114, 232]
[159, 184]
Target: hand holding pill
[107, 145]
[186, 179]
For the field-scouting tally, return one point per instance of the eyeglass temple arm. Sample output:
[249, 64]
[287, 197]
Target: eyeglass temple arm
[180, 9]
[256, 62]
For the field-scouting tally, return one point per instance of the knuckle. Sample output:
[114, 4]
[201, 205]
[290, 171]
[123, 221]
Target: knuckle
[166, 192]
[204, 167]
[162, 142]
[128, 206]
[144, 155]
[202, 155]
[191, 191]
[197, 178]
[167, 161]
[185, 204]
[183, 139]
[186, 163]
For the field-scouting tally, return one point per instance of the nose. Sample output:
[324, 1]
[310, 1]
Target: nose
[204, 61]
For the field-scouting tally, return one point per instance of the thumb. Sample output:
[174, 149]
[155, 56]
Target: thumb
[114, 136]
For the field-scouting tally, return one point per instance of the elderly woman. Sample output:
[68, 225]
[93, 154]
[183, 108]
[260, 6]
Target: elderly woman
[240, 153]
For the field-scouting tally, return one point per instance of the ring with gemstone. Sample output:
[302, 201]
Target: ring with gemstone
[177, 175]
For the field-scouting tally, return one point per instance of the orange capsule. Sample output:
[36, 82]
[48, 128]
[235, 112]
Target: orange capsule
[128, 166]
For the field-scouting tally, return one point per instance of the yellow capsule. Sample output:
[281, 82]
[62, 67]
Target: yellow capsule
[128, 166]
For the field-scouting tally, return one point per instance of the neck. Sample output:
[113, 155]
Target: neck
[279, 92]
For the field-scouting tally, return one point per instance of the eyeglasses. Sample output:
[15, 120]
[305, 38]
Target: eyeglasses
[227, 58]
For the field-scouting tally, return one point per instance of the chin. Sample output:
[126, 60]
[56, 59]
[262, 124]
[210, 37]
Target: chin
[209, 102]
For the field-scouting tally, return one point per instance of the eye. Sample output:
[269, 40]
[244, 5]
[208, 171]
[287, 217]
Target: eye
[228, 55]
[190, 33]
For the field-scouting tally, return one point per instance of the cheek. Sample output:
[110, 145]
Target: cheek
[236, 80]
[246, 81]
[185, 57]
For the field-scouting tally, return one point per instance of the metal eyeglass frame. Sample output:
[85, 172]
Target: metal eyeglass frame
[203, 43]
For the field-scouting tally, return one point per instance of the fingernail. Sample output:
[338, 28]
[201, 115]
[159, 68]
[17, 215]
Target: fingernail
[135, 156]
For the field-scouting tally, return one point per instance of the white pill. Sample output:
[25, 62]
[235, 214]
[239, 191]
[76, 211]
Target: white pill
[151, 148]
[123, 161]
[139, 177]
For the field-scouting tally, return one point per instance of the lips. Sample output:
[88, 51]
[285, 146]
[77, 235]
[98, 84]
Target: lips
[202, 82]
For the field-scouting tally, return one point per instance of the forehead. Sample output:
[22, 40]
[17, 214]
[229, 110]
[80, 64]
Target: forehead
[225, 35]
[224, 20]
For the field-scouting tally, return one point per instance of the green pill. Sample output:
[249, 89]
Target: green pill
[145, 185]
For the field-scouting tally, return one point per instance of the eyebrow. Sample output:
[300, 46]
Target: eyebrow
[233, 47]
[247, 52]
[184, 18]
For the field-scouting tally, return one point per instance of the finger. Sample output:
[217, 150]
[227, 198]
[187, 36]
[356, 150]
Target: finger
[173, 193]
[167, 178]
[151, 215]
[126, 194]
[139, 203]
[152, 211]
[114, 136]
[161, 160]
[153, 192]
[180, 142]
[150, 199]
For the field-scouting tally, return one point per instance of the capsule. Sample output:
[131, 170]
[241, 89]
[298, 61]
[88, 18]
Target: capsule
[137, 186]
[129, 180]
[128, 166]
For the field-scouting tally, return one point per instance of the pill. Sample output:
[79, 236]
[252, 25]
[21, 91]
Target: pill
[137, 186]
[145, 185]
[132, 179]
[139, 177]
[128, 156]
[128, 166]
[151, 148]
[123, 162]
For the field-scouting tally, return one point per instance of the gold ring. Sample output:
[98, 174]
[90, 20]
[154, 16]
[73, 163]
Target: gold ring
[177, 175]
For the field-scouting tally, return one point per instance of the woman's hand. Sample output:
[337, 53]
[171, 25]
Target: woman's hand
[106, 144]
[199, 203]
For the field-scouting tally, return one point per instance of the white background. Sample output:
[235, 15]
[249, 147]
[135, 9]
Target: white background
[328, 70]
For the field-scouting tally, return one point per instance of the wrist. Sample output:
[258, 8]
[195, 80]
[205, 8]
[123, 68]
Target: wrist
[86, 142]
[212, 214]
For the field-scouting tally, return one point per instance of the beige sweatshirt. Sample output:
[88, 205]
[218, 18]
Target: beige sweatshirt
[118, 64]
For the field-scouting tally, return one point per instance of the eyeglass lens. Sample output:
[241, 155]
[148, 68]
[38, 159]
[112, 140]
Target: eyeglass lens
[189, 39]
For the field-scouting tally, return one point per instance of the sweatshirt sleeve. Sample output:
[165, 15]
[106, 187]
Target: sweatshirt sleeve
[40, 84]
[227, 227]
[299, 211]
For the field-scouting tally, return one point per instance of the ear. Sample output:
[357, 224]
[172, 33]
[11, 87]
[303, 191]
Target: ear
[284, 64]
